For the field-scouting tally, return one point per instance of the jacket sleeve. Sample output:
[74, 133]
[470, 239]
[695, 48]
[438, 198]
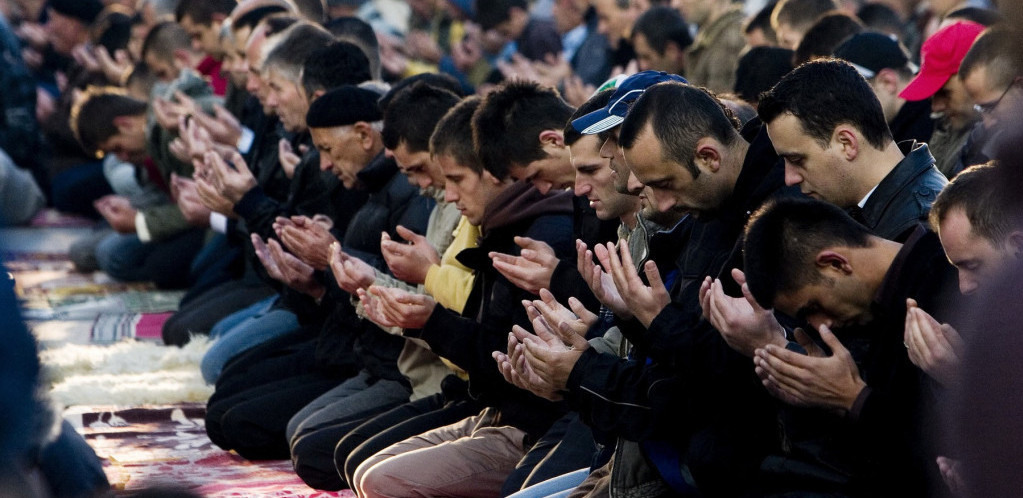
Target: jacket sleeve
[164, 221]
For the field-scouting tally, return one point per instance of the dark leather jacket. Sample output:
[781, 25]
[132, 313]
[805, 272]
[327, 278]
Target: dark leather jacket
[903, 198]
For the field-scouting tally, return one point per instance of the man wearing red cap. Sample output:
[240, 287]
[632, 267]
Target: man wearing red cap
[941, 55]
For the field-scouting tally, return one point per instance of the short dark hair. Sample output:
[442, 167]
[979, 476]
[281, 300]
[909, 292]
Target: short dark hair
[679, 115]
[663, 25]
[436, 80]
[339, 63]
[823, 94]
[760, 69]
[880, 17]
[996, 49]
[164, 38]
[359, 32]
[92, 117]
[507, 126]
[413, 113]
[253, 17]
[298, 43]
[202, 11]
[976, 190]
[982, 16]
[453, 136]
[825, 36]
[782, 241]
[597, 101]
[490, 13]
[801, 14]
[142, 76]
[762, 21]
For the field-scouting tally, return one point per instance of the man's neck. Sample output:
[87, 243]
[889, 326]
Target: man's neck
[734, 162]
[875, 261]
[629, 220]
[876, 165]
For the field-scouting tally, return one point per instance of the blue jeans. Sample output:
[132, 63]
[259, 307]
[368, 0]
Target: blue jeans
[242, 331]
[126, 258]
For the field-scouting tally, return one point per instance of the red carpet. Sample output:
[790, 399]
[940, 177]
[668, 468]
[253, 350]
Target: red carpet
[167, 445]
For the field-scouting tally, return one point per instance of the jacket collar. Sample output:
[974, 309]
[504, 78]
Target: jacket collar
[377, 173]
[917, 161]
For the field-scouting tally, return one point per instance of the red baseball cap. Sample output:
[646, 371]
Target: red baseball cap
[941, 56]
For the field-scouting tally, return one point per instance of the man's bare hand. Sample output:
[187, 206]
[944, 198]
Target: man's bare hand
[307, 239]
[402, 308]
[645, 301]
[118, 212]
[532, 269]
[232, 181]
[935, 347]
[185, 193]
[288, 158]
[600, 282]
[743, 324]
[409, 262]
[351, 273]
[222, 126]
[831, 382]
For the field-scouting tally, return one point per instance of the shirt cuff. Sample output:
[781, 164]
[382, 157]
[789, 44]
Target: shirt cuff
[218, 222]
[141, 229]
[245, 141]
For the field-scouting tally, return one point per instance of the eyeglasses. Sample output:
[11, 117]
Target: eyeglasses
[990, 106]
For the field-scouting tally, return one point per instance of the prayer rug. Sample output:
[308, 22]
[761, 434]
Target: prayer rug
[167, 446]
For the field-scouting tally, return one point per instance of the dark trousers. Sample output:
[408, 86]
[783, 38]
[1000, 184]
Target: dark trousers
[74, 190]
[259, 392]
[396, 425]
[199, 315]
[567, 446]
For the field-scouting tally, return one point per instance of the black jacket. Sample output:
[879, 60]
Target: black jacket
[345, 337]
[885, 445]
[495, 304]
[903, 198]
[684, 384]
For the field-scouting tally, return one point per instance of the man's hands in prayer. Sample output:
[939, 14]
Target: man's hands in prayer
[185, 193]
[743, 324]
[307, 238]
[288, 158]
[409, 262]
[600, 282]
[118, 212]
[645, 301]
[532, 269]
[934, 347]
[392, 307]
[222, 126]
[351, 273]
[232, 181]
[831, 382]
[541, 363]
[286, 268]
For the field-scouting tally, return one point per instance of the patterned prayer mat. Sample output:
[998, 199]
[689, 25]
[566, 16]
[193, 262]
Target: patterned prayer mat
[167, 446]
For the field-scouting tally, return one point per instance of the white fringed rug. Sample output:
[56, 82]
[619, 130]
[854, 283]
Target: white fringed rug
[128, 373]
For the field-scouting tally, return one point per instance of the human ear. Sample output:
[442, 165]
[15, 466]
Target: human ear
[552, 137]
[829, 260]
[848, 142]
[707, 156]
[123, 124]
[1015, 241]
